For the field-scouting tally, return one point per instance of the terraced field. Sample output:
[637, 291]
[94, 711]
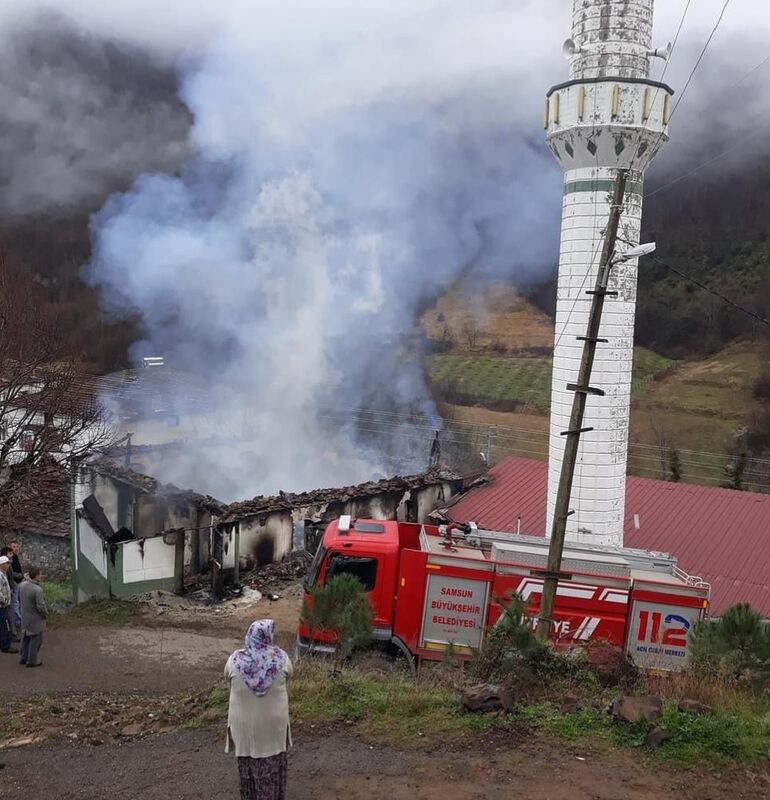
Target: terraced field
[512, 382]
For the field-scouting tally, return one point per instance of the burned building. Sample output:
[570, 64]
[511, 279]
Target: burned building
[268, 528]
[130, 534]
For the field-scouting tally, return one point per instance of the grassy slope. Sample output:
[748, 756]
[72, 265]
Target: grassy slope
[525, 380]
[468, 316]
[693, 405]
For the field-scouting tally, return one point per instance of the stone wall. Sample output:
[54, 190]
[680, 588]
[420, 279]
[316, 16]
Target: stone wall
[50, 553]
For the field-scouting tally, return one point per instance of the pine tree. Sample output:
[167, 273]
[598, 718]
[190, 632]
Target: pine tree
[340, 607]
[737, 640]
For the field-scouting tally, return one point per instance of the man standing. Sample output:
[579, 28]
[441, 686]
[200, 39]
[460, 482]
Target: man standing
[33, 618]
[18, 577]
[6, 579]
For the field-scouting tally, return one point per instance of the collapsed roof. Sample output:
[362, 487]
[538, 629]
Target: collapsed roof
[149, 485]
[283, 501]
[286, 501]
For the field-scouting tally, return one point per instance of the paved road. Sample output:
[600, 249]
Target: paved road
[192, 766]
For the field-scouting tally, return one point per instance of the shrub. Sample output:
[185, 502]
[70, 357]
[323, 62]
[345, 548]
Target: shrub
[674, 466]
[498, 346]
[511, 651]
[340, 607]
[735, 643]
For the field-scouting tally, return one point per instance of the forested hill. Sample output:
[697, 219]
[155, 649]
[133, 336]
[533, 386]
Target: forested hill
[713, 225]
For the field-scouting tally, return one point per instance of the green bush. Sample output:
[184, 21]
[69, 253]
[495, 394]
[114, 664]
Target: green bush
[511, 652]
[340, 607]
[736, 643]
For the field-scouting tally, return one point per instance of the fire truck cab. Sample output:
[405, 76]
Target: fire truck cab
[432, 588]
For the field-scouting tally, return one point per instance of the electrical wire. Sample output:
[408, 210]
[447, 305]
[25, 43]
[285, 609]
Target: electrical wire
[708, 162]
[755, 125]
[662, 76]
[707, 288]
[700, 58]
[631, 166]
[694, 69]
[599, 244]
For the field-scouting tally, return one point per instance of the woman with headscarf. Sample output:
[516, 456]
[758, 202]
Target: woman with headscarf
[258, 717]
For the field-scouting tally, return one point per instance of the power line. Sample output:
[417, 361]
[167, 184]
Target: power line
[754, 124]
[694, 69]
[662, 76]
[759, 66]
[700, 58]
[665, 68]
[706, 163]
[708, 289]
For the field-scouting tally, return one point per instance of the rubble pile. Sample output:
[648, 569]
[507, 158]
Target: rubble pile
[281, 578]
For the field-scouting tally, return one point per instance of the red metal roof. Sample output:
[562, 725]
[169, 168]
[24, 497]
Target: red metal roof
[722, 535]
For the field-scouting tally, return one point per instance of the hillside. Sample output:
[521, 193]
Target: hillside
[494, 369]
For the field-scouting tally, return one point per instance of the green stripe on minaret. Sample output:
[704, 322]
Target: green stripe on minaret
[600, 186]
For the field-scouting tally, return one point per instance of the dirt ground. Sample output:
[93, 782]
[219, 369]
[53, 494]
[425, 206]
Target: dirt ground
[178, 650]
[192, 766]
[175, 650]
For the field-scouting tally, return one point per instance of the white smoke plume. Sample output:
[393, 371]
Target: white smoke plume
[348, 161]
[343, 175]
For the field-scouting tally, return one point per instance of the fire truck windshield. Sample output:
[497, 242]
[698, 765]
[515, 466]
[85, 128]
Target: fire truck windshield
[315, 567]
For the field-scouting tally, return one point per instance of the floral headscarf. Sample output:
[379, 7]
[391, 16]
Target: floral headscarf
[260, 662]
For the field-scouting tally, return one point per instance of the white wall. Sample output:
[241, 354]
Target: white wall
[106, 493]
[228, 549]
[148, 560]
[91, 547]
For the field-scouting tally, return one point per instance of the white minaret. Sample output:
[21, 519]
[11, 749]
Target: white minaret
[608, 116]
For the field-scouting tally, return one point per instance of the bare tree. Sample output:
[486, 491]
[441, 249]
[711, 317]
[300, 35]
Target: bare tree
[662, 441]
[49, 408]
[471, 335]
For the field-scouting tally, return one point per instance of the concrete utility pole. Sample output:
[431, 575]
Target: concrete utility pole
[581, 390]
[608, 116]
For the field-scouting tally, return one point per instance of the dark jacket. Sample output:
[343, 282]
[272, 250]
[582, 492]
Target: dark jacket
[18, 574]
[33, 610]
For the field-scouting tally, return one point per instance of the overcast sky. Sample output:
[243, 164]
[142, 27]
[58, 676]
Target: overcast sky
[469, 33]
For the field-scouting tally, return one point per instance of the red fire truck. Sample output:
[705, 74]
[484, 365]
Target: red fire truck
[432, 587]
